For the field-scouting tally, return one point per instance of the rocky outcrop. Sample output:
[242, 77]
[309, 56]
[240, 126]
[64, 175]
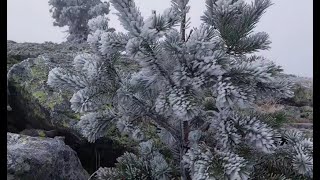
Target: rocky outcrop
[33, 102]
[40, 106]
[17, 52]
[37, 106]
[41, 158]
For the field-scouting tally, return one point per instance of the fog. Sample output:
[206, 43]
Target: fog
[288, 22]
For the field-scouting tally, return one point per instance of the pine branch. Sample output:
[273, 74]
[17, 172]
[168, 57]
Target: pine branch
[159, 68]
[129, 16]
[161, 121]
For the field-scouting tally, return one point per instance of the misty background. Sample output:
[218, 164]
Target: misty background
[288, 22]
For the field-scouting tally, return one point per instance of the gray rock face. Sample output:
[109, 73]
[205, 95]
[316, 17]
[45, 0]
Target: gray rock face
[28, 93]
[37, 106]
[17, 52]
[28, 50]
[42, 158]
[40, 106]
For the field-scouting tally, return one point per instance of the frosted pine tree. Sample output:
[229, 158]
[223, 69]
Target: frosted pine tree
[75, 14]
[198, 87]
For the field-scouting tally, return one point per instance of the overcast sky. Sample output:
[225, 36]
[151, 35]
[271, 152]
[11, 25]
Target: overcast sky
[288, 22]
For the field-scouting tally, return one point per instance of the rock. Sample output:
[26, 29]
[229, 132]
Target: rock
[38, 106]
[41, 158]
[17, 52]
[31, 98]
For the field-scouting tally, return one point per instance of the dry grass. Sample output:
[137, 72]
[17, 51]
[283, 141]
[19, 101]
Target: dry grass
[271, 106]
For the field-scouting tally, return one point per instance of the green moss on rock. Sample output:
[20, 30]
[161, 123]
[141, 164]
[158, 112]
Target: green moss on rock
[39, 73]
[40, 96]
[41, 134]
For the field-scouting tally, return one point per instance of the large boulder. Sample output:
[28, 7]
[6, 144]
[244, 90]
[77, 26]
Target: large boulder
[33, 102]
[39, 106]
[35, 105]
[17, 52]
[41, 158]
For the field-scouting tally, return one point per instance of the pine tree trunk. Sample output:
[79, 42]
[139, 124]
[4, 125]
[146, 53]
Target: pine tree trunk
[184, 148]
[185, 124]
